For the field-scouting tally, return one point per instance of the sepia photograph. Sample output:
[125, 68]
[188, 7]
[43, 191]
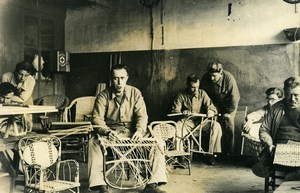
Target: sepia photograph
[149, 96]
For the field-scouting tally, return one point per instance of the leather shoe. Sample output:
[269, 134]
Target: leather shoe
[152, 188]
[210, 160]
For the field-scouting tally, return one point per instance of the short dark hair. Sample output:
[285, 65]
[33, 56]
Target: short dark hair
[214, 67]
[274, 90]
[6, 87]
[291, 82]
[119, 67]
[27, 66]
[192, 78]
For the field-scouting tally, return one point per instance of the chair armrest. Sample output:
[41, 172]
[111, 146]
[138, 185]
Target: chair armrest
[67, 170]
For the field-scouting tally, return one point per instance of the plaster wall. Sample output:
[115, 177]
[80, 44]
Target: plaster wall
[125, 25]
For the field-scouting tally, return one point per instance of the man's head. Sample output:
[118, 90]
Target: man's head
[273, 95]
[292, 91]
[193, 83]
[7, 90]
[23, 71]
[119, 75]
[215, 70]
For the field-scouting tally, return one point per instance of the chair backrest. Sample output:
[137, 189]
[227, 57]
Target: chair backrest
[41, 150]
[79, 108]
[59, 101]
[165, 130]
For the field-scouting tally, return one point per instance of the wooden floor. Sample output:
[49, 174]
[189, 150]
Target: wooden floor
[228, 176]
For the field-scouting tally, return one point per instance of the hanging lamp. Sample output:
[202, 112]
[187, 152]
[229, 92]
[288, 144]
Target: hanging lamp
[292, 1]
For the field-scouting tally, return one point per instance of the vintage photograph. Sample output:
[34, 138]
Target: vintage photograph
[149, 96]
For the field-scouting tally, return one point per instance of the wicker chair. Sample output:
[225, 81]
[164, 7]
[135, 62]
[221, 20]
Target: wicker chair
[44, 171]
[80, 109]
[59, 101]
[166, 130]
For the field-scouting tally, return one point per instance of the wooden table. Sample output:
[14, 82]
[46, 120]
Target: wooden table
[18, 110]
[10, 143]
[10, 113]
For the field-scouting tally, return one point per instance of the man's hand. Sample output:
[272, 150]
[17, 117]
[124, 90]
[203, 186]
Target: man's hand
[210, 114]
[272, 149]
[186, 112]
[113, 136]
[137, 136]
[246, 127]
[227, 115]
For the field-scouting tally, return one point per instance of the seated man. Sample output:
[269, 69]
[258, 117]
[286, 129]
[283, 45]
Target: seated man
[120, 111]
[7, 92]
[280, 125]
[254, 119]
[195, 100]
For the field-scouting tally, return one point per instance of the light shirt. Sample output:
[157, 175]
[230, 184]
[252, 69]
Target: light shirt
[25, 88]
[129, 113]
[199, 103]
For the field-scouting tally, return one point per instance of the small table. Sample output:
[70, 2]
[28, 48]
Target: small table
[288, 187]
[13, 111]
[10, 143]
[18, 110]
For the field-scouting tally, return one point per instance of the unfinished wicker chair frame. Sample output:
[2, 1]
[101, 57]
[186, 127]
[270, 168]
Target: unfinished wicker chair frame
[43, 170]
[128, 164]
[196, 141]
[166, 131]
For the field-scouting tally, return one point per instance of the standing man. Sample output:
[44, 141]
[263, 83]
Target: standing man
[120, 111]
[195, 100]
[22, 78]
[281, 124]
[221, 87]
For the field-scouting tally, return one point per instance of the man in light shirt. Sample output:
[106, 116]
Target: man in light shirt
[120, 111]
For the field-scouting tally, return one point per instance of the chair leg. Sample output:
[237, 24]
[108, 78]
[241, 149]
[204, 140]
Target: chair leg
[267, 184]
[83, 149]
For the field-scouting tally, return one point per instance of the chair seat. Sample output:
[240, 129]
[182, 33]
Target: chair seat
[56, 185]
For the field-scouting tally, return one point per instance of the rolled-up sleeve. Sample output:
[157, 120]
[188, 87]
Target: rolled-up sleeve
[177, 104]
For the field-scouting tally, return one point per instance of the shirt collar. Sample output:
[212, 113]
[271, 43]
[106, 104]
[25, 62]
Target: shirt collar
[113, 95]
[189, 93]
